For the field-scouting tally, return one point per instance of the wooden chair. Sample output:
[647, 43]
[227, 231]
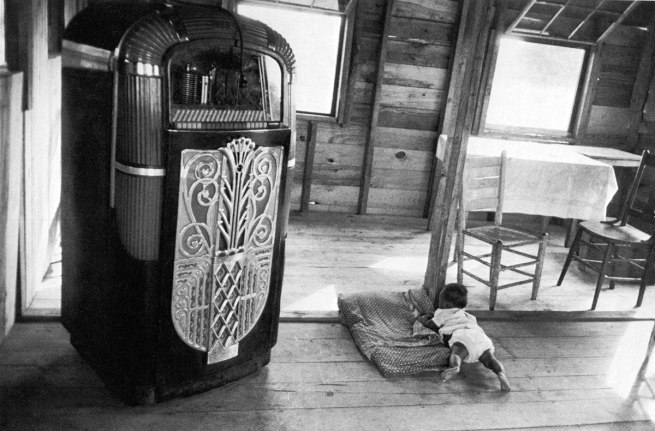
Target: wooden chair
[617, 241]
[482, 189]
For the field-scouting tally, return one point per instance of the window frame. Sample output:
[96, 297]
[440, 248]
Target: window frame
[340, 93]
[512, 132]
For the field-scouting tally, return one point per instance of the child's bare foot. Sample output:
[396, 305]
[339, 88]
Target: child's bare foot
[449, 373]
[504, 383]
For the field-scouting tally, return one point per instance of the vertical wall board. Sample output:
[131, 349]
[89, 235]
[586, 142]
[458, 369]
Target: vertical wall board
[11, 179]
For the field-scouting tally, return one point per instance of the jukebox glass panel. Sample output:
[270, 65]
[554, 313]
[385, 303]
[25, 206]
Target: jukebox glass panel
[224, 88]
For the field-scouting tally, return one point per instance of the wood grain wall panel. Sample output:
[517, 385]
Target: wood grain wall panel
[424, 140]
[608, 120]
[334, 198]
[399, 212]
[414, 119]
[361, 92]
[337, 155]
[604, 140]
[418, 54]
[403, 160]
[395, 201]
[409, 75]
[411, 97]
[400, 180]
[625, 36]
[330, 133]
[442, 11]
[428, 31]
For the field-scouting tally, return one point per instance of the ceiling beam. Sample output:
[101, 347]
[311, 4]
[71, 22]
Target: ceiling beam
[587, 18]
[618, 21]
[521, 15]
[562, 7]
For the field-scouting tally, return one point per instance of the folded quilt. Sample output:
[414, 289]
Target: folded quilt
[384, 328]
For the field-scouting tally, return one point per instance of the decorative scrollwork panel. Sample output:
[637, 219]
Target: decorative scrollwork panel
[227, 213]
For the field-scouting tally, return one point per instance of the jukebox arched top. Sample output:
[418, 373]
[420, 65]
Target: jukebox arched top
[221, 71]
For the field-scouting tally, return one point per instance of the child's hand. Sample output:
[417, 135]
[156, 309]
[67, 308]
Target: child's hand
[425, 318]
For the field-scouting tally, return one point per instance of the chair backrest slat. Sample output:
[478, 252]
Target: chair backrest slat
[482, 188]
[632, 208]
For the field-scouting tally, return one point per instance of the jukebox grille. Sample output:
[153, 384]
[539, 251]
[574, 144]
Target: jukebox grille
[139, 136]
[226, 216]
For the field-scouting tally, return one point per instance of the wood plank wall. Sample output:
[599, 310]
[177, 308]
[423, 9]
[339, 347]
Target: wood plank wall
[612, 109]
[414, 84]
[615, 100]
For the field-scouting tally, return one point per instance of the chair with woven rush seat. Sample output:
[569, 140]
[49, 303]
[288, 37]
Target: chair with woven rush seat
[482, 190]
[617, 241]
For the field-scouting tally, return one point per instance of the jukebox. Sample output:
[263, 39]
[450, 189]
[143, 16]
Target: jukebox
[178, 144]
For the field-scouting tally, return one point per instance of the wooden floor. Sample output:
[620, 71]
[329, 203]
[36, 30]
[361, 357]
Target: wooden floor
[329, 254]
[568, 368]
[576, 373]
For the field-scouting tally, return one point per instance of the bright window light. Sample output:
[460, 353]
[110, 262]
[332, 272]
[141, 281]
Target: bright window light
[314, 38]
[534, 86]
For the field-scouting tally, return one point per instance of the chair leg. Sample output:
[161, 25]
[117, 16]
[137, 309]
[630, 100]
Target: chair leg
[459, 248]
[642, 285]
[572, 250]
[540, 265]
[601, 274]
[494, 273]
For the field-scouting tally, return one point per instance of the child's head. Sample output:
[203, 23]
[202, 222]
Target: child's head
[453, 295]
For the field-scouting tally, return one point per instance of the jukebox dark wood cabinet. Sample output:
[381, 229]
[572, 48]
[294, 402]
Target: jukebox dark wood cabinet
[178, 143]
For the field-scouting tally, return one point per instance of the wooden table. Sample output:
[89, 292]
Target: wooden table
[550, 180]
[611, 156]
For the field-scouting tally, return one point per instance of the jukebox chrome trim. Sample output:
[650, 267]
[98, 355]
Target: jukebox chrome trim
[140, 171]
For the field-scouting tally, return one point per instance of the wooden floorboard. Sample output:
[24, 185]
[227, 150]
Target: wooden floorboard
[573, 373]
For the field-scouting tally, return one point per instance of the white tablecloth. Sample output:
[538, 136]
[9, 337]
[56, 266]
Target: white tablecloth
[550, 180]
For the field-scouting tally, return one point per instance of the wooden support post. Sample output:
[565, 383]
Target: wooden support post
[369, 148]
[463, 88]
[486, 58]
[307, 175]
[640, 88]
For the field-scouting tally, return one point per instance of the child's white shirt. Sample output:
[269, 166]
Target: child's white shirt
[449, 320]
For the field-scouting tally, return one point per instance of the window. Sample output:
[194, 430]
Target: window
[534, 88]
[318, 37]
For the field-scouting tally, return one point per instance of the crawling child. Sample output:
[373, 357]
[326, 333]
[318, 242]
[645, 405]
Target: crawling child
[460, 331]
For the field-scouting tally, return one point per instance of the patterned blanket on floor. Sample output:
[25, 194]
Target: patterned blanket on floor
[384, 328]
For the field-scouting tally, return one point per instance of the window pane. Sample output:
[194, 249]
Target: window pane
[534, 85]
[314, 39]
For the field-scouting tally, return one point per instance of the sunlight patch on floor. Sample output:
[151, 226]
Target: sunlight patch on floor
[324, 299]
[402, 264]
[631, 351]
